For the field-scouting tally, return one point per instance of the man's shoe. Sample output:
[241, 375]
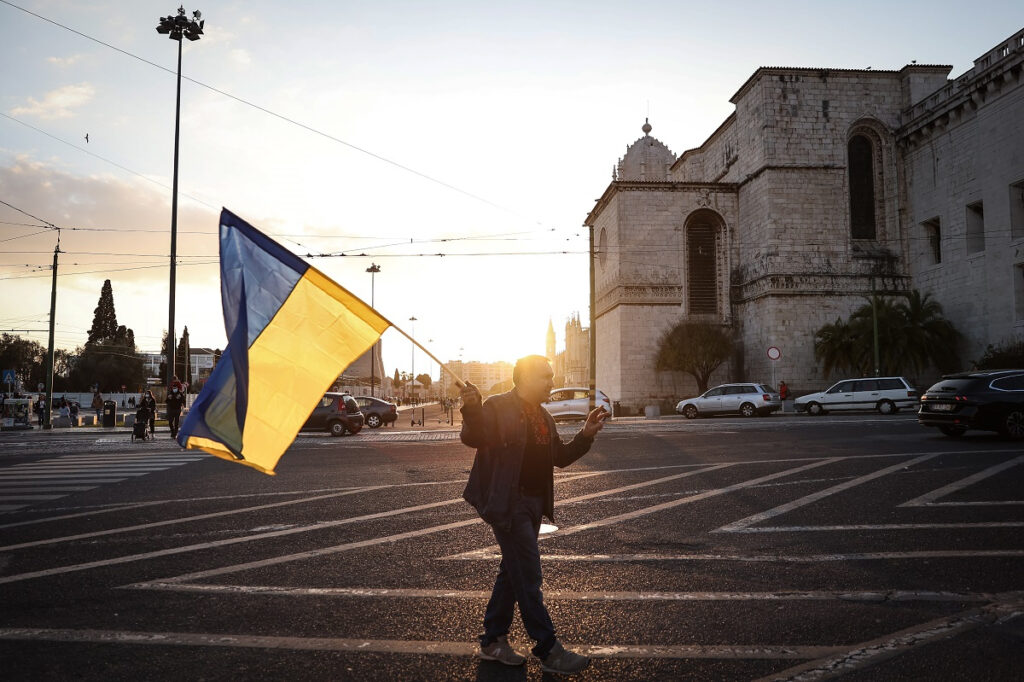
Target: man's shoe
[564, 662]
[500, 650]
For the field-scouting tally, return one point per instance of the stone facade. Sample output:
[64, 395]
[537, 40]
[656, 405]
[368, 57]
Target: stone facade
[823, 186]
[572, 366]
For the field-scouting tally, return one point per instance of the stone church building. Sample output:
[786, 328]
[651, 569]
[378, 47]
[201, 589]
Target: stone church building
[823, 186]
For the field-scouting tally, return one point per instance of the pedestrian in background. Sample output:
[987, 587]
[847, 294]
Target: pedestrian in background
[39, 407]
[511, 486]
[97, 404]
[149, 402]
[175, 401]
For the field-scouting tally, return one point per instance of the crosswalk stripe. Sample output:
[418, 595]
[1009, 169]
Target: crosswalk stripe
[71, 479]
[46, 489]
[52, 479]
[31, 498]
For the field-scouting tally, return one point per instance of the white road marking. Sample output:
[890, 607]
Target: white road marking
[36, 488]
[875, 651]
[249, 538]
[29, 498]
[618, 518]
[879, 526]
[928, 499]
[393, 646]
[62, 479]
[758, 558]
[872, 596]
[168, 522]
[820, 495]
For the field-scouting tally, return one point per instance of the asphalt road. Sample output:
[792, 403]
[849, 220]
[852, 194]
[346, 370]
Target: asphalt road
[791, 548]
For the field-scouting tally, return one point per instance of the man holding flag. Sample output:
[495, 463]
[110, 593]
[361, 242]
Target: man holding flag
[511, 486]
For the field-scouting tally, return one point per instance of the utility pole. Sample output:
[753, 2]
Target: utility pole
[874, 320]
[49, 349]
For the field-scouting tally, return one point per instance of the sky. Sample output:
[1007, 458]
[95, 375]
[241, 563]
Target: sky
[457, 145]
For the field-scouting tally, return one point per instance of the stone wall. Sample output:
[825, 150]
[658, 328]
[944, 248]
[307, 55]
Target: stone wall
[776, 173]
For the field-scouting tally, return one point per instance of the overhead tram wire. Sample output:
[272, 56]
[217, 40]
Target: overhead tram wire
[281, 117]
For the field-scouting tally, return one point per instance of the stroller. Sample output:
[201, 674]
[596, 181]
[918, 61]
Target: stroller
[141, 427]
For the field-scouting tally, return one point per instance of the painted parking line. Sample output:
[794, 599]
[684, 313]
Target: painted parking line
[873, 652]
[393, 646]
[186, 519]
[870, 596]
[629, 516]
[743, 524]
[483, 555]
[929, 499]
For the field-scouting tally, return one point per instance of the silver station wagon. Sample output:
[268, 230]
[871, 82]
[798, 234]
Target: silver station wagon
[743, 399]
[888, 395]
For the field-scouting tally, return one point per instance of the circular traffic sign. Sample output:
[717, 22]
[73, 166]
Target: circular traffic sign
[774, 353]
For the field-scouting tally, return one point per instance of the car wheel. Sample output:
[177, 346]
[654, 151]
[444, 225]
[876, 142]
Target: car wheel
[337, 428]
[886, 407]
[747, 410]
[953, 431]
[373, 421]
[1013, 425]
[690, 412]
[815, 409]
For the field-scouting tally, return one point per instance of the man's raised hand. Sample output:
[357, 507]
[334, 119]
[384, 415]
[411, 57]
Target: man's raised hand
[595, 421]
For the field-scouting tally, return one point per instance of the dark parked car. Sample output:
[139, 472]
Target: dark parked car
[377, 412]
[337, 413]
[985, 400]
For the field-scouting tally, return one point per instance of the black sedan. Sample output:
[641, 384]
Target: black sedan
[337, 413]
[989, 400]
[376, 411]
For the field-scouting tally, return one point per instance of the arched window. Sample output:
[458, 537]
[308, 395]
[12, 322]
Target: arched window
[861, 171]
[702, 284]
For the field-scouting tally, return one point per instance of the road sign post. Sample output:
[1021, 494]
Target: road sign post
[774, 354]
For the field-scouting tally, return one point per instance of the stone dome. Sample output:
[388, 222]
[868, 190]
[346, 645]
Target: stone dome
[646, 159]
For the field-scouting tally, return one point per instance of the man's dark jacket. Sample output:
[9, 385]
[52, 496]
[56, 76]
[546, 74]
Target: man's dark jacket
[497, 429]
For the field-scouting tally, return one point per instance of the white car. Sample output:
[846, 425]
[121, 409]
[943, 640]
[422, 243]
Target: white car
[572, 402]
[888, 395]
[743, 399]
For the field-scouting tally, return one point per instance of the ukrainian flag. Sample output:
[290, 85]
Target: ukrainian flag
[291, 331]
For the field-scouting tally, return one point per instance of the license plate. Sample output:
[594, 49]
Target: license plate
[941, 407]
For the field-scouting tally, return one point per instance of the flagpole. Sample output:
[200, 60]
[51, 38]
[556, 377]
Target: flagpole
[458, 380]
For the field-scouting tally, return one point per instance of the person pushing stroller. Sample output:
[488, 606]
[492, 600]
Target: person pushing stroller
[141, 428]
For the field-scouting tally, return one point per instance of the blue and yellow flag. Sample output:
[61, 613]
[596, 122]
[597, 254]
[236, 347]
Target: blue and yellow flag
[291, 331]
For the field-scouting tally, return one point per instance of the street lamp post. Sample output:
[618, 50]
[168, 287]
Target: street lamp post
[412, 383]
[174, 27]
[373, 270]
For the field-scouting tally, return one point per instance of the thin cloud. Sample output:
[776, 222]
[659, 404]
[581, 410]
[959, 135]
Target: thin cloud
[64, 62]
[57, 103]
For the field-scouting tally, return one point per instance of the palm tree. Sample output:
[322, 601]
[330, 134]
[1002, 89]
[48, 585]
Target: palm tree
[929, 338]
[836, 347]
[912, 335]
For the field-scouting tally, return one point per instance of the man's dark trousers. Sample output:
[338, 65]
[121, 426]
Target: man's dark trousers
[173, 419]
[519, 579]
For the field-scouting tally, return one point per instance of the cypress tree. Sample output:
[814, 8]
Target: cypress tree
[104, 320]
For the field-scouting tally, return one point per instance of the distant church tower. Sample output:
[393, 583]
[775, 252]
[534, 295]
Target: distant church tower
[551, 342]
